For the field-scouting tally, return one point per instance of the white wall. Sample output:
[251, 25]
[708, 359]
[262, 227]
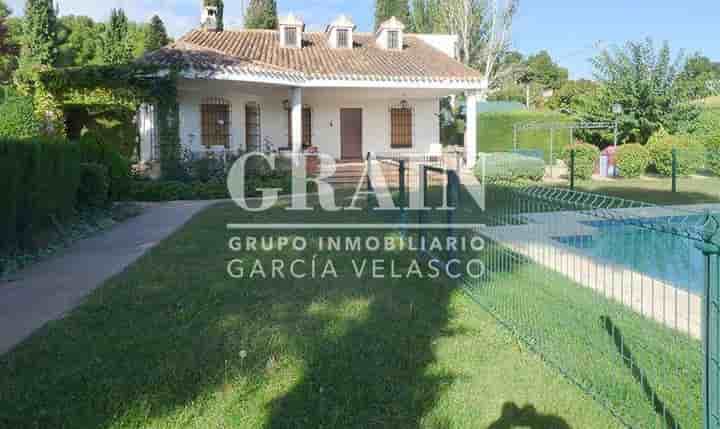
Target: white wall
[325, 105]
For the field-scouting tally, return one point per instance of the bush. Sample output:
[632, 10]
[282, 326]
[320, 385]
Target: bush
[508, 166]
[586, 158]
[94, 185]
[18, 119]
[632, 160]
[118, 167]
[39, 182]
[712, 145]
[690, 154]
[160, 191]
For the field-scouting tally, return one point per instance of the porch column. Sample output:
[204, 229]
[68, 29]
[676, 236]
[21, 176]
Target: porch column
[471, 100]
[296, 106]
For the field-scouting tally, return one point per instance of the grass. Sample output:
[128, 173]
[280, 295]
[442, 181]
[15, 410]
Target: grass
[174, 342]
[691, 190]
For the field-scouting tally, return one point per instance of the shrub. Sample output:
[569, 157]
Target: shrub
[632, 160]
[94, 185]
[39, 182]
[586, 157]
[18, 119]
[160, 191]
[495, 131]
[712, 145]
[690, 154]
[507, 166]
[118, 167]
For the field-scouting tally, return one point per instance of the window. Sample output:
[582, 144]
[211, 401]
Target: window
[393, 40]
[306, 127]
[343, 38]
[401, 125]
[215, 113]
[291, 36]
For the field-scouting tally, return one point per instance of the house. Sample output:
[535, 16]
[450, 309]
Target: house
[344, 92]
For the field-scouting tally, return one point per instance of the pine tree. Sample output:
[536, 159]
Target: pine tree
[424, 17]
[116, 46]
[156, 36]
[220, 12]
[261, 14]
[385, 9]
[39, 40]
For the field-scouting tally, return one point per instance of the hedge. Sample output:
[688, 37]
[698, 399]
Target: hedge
[712, 144]
[632, 160]
[507, 166]
[690, 154]
[94, 185]
[495, 132]
[118, 167]
[586, 158]
[17, 118]
[40, 180]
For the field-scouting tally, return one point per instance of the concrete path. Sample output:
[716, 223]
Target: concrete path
[48, 290]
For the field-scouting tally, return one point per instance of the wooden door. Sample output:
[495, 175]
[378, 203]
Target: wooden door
[351, 134]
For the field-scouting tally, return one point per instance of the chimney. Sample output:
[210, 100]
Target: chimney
[212, 15]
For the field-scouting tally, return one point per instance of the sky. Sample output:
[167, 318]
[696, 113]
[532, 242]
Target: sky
[571, 30]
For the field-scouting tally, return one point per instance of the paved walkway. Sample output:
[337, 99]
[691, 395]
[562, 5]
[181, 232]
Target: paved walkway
[48, 290]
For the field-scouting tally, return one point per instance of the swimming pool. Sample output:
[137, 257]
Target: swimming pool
[673, 259]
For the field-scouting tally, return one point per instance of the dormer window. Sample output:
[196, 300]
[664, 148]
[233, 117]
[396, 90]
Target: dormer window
[390, 34]
[343, 39]
[291, 32]
[393, 39]
[340, 33]
[291, 36]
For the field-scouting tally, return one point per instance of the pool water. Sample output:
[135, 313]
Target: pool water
[673, 259]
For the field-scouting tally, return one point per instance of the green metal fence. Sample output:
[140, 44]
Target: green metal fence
[621, 297]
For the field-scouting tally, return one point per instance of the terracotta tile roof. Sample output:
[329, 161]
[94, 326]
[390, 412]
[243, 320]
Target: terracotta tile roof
[260, 49]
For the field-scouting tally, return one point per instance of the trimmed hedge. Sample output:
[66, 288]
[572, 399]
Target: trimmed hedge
[495, 132]
[712, 144]
[40, 181]
[586, 158]
[690, 154]
[632, 160]
[94, 185]
[508, 166]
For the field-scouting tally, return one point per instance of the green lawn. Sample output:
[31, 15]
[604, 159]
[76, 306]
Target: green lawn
[174, 342]
[695, 190]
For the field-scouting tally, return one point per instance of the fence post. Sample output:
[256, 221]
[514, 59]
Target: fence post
[674, 170]
[401, 177]
[423, 190]
[711, 337]
[572, 169]
[368, 161]
[453, 194]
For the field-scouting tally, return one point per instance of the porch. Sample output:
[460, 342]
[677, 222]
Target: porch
[344, 123]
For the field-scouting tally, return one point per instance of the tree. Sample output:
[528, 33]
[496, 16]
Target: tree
[156, 36]
[5, 10]
[645, 82]
[386, 9]
[424, 16]
[39, 40]
[261, 14]
[116, 43]
[542, 70]
[80, 41]
[698, 76]
[568, 99]
[483, 29]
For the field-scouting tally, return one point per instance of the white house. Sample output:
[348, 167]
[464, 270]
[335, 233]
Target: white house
[344, 92]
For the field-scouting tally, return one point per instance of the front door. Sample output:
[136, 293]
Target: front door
[351, 134]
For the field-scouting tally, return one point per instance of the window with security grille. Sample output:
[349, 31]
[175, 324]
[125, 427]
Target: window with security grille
[291, 36]
[393, 40]
[401, 125]
[215, 113]
[343, 38]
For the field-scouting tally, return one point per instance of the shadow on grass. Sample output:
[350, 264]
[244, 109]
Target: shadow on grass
[654, 196]
[527, 417]
[174, 336]
[629, 360]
